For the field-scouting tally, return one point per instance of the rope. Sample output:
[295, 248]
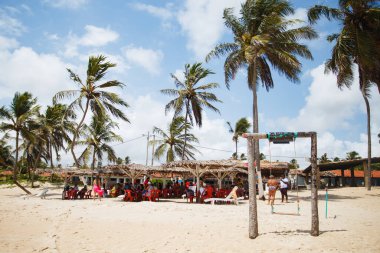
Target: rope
[295, 155]
[270, 159]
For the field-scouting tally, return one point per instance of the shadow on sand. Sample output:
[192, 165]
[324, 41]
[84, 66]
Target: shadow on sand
[302, 232]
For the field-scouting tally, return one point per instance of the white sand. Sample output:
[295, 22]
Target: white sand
[53, 225]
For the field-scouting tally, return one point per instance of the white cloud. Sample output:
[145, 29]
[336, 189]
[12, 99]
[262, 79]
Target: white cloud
[179, 74]
[147, 58]
[327, 107]
[202, 22]
[10, 25]
[69, 4]
[7, 43]
[25, 70]
[93, 37]
[160, 12]
[328, 111]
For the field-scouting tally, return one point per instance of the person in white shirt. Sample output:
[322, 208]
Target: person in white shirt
[284, 183]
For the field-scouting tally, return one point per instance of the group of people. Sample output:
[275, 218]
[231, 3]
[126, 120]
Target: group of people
[273, 185]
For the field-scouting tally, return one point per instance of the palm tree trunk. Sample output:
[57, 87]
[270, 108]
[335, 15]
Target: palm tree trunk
[93, 160]
[184, 144]
[51, 155]
[15, 168]
[77, 133]
[256, 130]
[253, 223]
[367, 171]
[236, 154]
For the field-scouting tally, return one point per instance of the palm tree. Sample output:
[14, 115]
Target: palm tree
[324, 159]
[127, 160]
[353, 155]
[22, 111]
[241, 126]
[356, 44]
[173, 140]
[336, 159]
[6, 158]
[94, 95]
[263, 35]
[96, 138]
[293, 164]
[57, 128]
[190, 97]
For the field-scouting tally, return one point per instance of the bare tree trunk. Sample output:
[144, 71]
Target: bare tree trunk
[314, 188]
[76, 133]
[253, 222]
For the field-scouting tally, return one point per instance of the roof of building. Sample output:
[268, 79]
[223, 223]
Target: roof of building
[342, 165]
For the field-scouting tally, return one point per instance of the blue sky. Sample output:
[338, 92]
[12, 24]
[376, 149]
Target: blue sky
[151, 39]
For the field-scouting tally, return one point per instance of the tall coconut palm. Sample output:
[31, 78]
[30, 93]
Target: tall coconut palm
[241, 126]
[96, 138]
[21, 112]
[357, 44]
[94, 95]
[191, 96]
[263, 35]
[172, 142]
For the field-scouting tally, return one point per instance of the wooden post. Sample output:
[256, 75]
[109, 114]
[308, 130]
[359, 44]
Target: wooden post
[253, 223]
[342, 177]
[314, 188]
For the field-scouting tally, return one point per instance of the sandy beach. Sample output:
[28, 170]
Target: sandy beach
[31, 224]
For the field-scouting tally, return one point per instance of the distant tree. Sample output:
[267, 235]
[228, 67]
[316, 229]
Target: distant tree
[119, 161]
[353, 155]
[262, 156]
[96, 138]
[293, 164]
[324, 159]
[336, 159]
[127, 160]
[173, 139]
[241, 126]
[243, 157]
[6, 158]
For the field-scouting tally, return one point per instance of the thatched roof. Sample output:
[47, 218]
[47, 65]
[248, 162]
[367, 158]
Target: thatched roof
[184, 167]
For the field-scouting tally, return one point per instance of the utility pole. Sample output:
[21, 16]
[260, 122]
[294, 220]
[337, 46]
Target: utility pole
[147, 148]
[154, 138]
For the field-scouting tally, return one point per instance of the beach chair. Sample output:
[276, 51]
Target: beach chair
[128, 196]
[228, 199]
[42, 193]
[87, 195]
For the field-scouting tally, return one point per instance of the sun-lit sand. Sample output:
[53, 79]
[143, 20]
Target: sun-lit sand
[53, 225]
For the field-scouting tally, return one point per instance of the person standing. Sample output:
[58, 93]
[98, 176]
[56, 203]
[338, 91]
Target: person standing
[284, 184]
[272, 187]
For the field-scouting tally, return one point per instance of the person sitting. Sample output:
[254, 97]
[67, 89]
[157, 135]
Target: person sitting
[98, 192]
[148, 191]
[82, 192]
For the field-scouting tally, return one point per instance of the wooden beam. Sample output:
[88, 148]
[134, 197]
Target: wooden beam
[253, 223]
